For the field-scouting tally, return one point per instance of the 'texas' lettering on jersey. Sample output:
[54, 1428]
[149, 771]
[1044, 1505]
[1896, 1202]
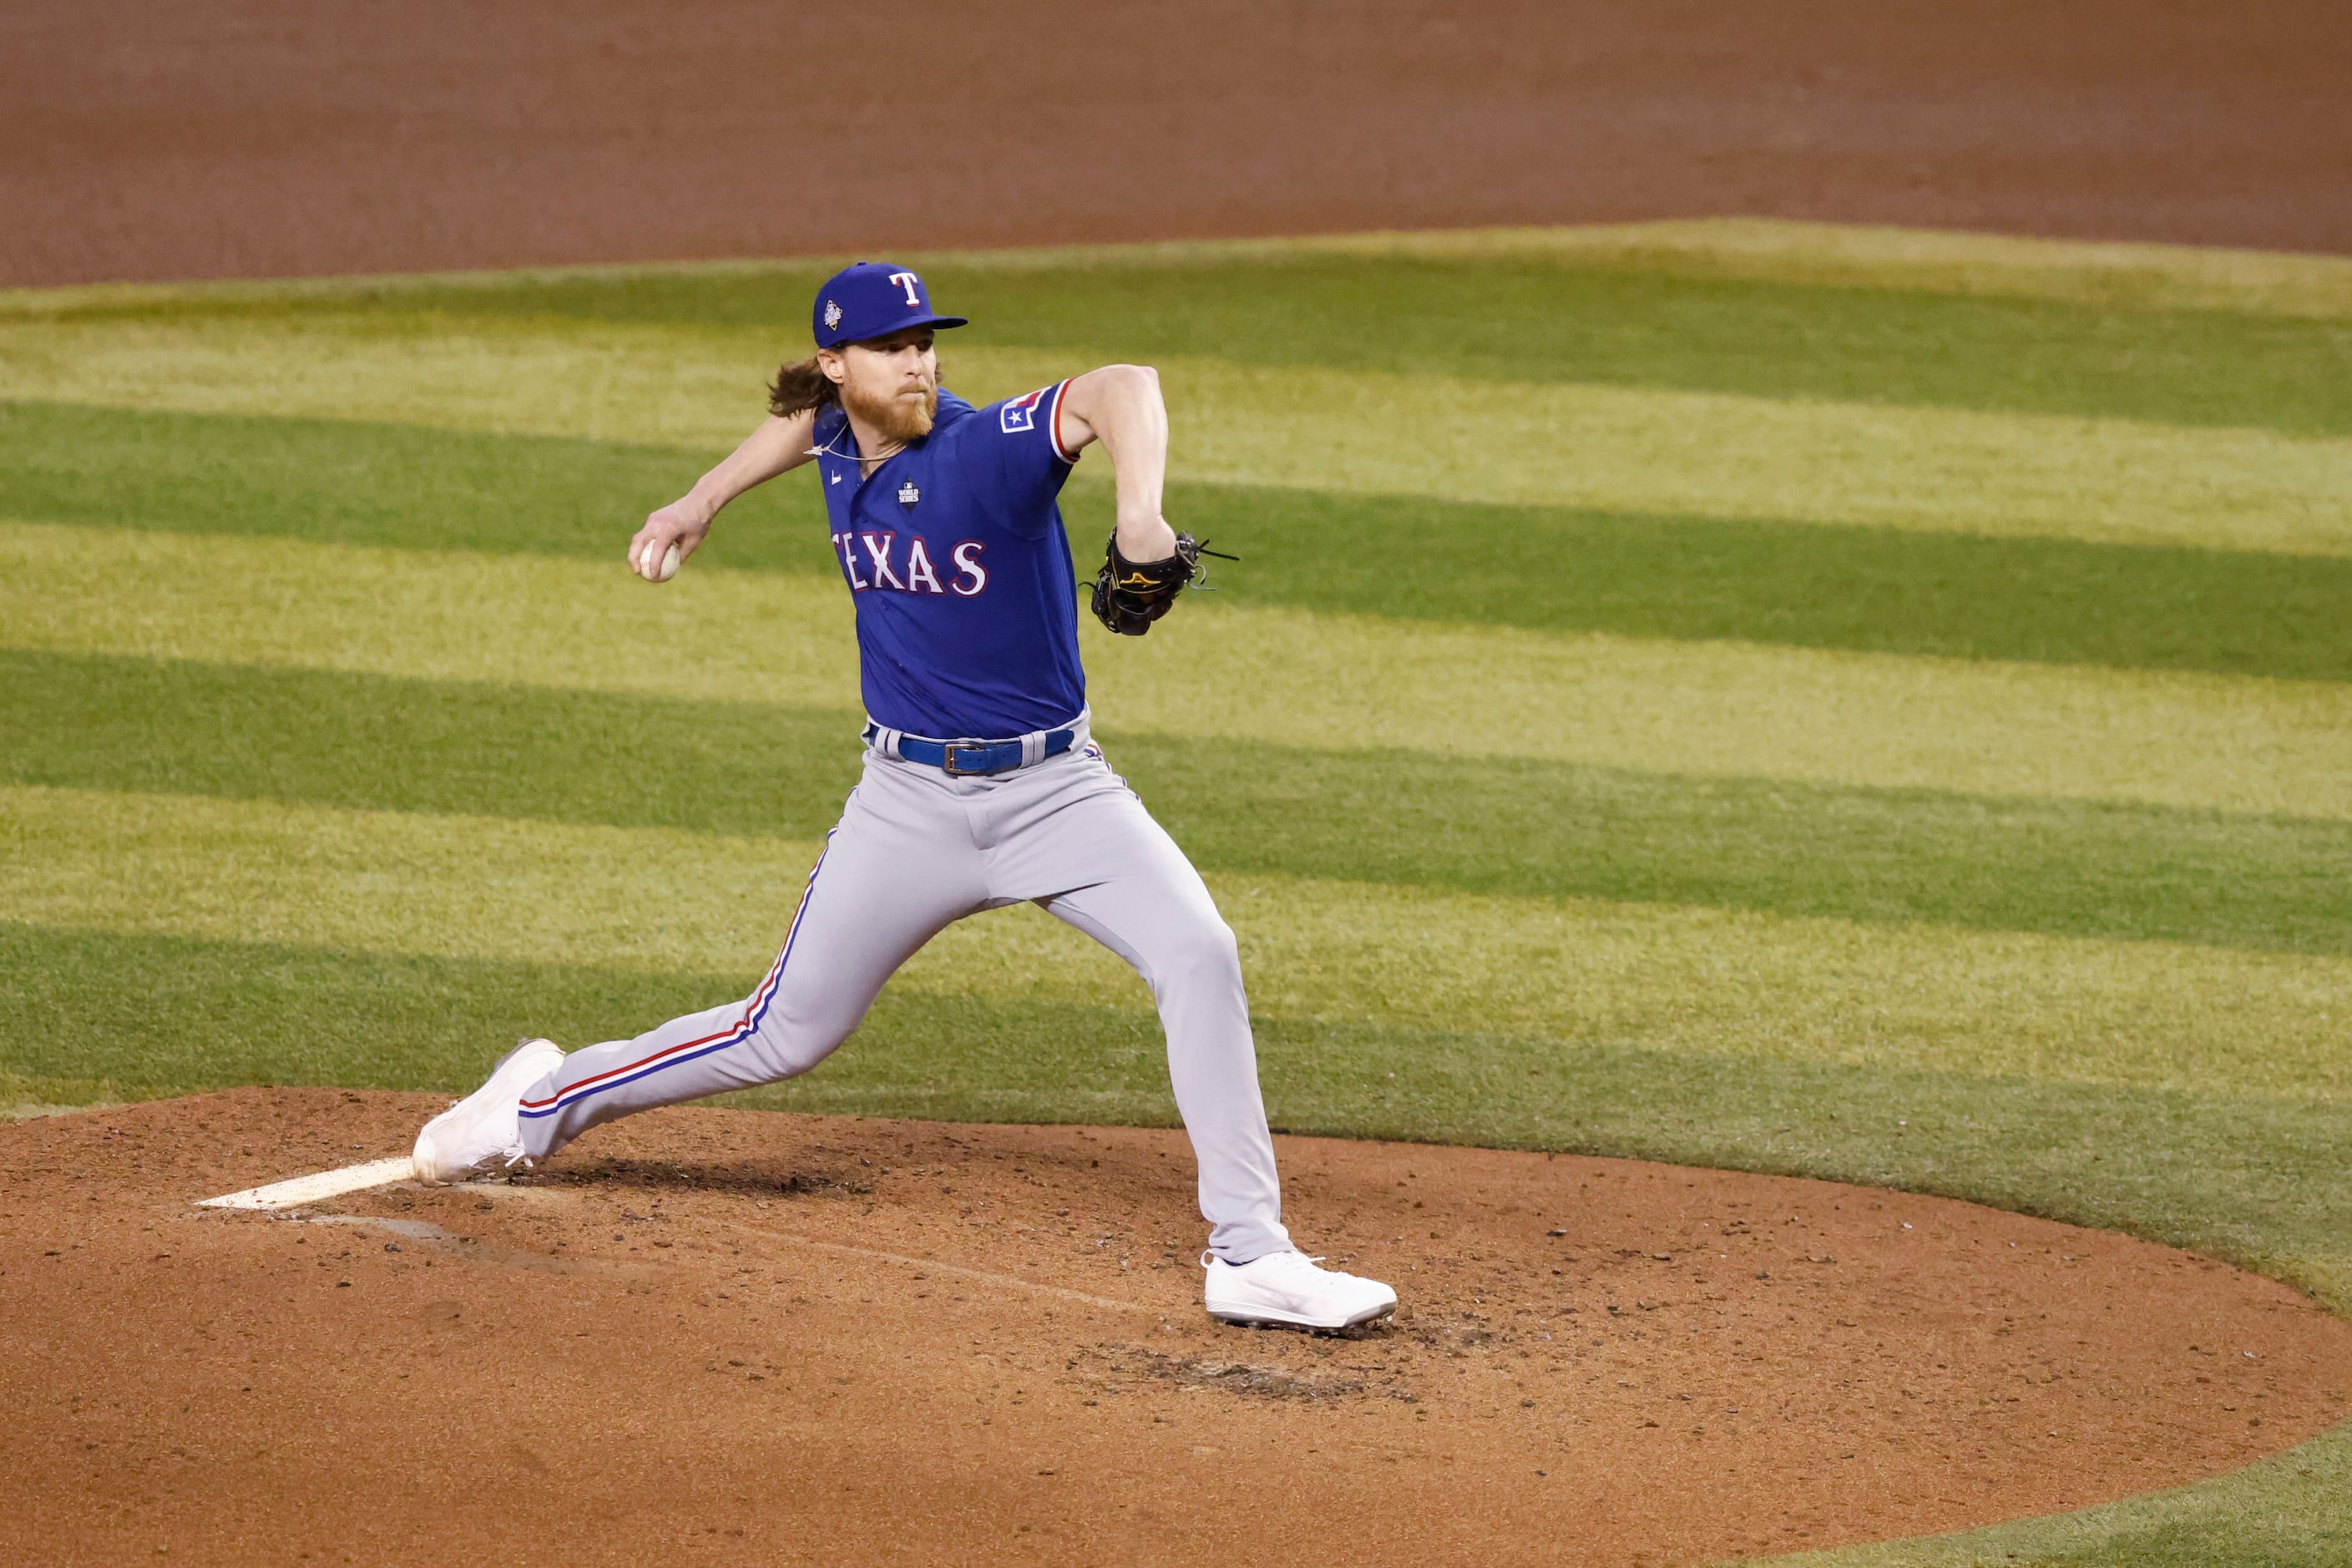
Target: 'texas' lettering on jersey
[874, 563]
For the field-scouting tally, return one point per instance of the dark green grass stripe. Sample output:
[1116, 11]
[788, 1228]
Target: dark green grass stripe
[1516, 319]
[1501, 319]
[162, 1013]
[2258, 1180]
[166, 1014]
[2050, 601]
[346, 483]
[364, 742]
[1546, 569]
[2062, 867]
[1411, 818]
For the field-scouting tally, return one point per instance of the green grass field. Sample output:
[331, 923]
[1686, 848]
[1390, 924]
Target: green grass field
[1839, 702]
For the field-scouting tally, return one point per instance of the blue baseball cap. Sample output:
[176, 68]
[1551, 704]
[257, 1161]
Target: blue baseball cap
[872, 299]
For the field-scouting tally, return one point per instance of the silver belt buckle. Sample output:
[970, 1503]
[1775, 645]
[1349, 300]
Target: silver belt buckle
[955, 771]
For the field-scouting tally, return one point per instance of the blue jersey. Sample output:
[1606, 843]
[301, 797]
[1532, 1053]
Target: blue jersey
[967, 602]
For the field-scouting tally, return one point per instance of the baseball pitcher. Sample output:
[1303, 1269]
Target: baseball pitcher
[981, 785]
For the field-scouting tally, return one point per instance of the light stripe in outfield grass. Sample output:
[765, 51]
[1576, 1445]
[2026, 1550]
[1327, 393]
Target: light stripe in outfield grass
[1780, 310]
[2101, 274]
[2105, 276]
[1284, 677]
[1406, 819]
[1526, 316]
[1609, 449]
[2254, 1178]
[1894, 590]
[1520, 318]
[1576, 972]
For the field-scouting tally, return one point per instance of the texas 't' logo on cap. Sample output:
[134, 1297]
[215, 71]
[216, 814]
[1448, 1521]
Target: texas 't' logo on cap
[872, 299]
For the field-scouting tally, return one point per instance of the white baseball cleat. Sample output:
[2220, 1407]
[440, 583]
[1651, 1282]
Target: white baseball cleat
[486, 1124]
[1287, 1287]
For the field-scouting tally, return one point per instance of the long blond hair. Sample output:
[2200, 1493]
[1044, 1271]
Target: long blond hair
[800, 385]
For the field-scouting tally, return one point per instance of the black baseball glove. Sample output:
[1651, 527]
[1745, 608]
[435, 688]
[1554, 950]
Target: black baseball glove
[1129, 596]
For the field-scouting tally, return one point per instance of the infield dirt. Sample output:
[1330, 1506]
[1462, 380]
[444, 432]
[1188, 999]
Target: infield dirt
[145, 140]
[723, 1335]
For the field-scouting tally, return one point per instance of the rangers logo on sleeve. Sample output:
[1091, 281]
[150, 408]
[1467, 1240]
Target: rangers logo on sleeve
[1020, 414]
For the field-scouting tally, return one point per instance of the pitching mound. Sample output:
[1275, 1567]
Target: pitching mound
[728, 1336]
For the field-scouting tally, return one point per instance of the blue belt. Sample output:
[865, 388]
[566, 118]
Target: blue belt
[968, 759]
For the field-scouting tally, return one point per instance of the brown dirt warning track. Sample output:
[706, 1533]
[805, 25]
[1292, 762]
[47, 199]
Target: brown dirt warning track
[728, 1336]
[142, 139]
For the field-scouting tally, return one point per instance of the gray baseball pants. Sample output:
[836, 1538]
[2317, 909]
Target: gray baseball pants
[916, 849]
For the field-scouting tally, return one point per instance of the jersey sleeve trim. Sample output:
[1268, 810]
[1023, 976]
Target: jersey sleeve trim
[1053, 428]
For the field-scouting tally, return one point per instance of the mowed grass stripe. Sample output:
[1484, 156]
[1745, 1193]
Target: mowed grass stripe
[1537, 567]
[1533, 319]
[141, 1015]
[1478, 824]
[2103, 274]
[347, 482]
[1661, 453]
[1467, 824]
[1506, 825]
[1662, 308]
[1628, 449]
[1866, 590]
[2253, 1179]
[458, 748]
[1286, 677]
[1582, 970]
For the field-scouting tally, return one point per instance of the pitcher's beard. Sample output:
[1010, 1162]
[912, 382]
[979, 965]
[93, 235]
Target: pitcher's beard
[896, 417]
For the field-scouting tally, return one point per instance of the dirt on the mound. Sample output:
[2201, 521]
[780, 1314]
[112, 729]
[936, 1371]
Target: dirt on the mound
[241, 138]
[727, 1336]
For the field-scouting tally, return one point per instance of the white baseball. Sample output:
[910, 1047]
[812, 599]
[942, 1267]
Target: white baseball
[669, 564]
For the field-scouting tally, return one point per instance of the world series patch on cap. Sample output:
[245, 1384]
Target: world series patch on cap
[872, 299]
